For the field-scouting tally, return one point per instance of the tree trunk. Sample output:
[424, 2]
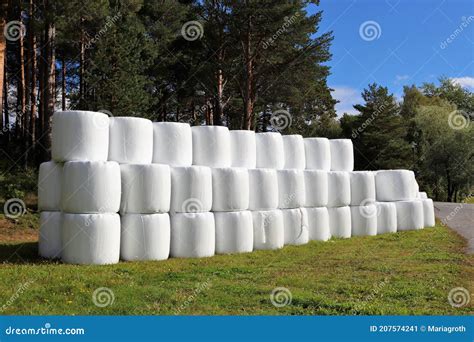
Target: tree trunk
[219, 105]
[32, 49]
[50, 89]
[5, 101]
[249, 91]
[3, 50]
[41, 78]
[82, 66]
[22, 86]
[63, 83]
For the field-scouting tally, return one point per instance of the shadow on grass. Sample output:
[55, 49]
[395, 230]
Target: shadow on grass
[20, 253]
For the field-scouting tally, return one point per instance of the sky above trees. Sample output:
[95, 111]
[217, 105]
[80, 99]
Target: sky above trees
[404, 42]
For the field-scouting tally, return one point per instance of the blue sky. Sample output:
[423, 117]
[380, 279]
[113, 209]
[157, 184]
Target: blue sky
[404, 42]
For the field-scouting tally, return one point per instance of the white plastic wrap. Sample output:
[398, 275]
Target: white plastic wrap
[91, 238]
[146, 188]
[364, 220]
[270, 151]
[422, 195]
[342, 155]
[340, 222]
[316, 188]
[49, 244]
[291, 188]
[131, 140]
[91, 187]
[49, 186]
[230, 189]
[339, 189]
[145, 237]
[362, 187]
[416, 187]
[295, 225]
[428, 212]
[263, 189]
[191, 189]
[211, 146]
[172, 143]
[79, 135]
[318, 154]
[234, 232]
[409, 215]
[268, 230]
[293, 146]
[192, 235]
[386, 217]
[318, 223]
[394, 185]
[243, 149]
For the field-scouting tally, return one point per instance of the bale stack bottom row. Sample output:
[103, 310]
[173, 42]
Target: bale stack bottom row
[126, 188]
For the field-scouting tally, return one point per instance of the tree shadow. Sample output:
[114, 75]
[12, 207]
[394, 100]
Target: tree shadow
[20, 253]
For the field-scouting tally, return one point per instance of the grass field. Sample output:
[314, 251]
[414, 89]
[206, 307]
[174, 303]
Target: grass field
[403, 273]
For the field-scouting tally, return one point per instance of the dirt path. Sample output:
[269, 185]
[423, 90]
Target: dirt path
[459, 217]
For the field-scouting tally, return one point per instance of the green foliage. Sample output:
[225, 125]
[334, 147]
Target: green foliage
[18, 184]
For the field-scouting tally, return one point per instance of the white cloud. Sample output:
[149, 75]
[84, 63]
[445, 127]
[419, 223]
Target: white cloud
[400, 78]
[465, 81]
[347, 97]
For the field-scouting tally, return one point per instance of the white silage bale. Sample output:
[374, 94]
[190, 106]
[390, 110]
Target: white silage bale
[79, 135]
[316, 188]
[340, 222]
[342, 155]
[318, 223]
[318, 154]
[394, 185]
[386, 217]
[291, 188]
[230, 189]
[428, 212]
[364, 220]
[146, 188]
[192, 235]
[422, 195]
[295, 225]
[234, 232]
[49, 244]
[91, 187]
[91, 238]
[211, 146]
[293, 146]
[131, 140]
[243, 149]
[268, 230]
[172, 143]
[263, 189]
[362, 187]
[270, 151]
[49, 186]
[145, 237]
[409, 215]
[191, 189]
[339, 189]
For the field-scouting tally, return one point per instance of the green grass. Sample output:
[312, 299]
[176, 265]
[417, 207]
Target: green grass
[403, 273]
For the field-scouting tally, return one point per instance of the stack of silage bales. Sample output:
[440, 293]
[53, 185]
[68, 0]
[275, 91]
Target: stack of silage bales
[187, 191]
